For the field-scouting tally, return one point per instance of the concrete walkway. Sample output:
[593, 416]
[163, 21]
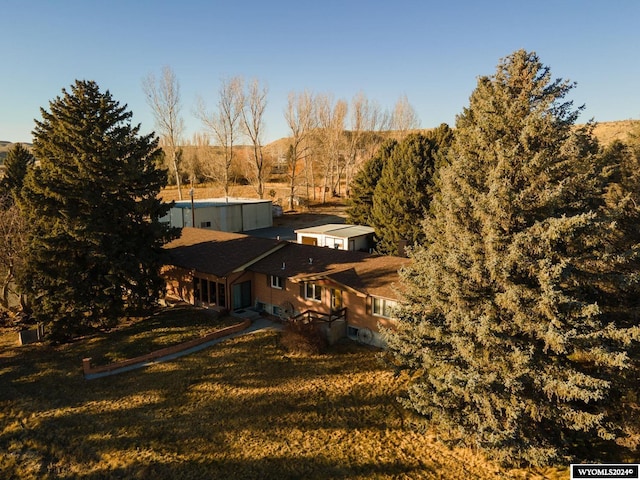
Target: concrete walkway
[257, 325]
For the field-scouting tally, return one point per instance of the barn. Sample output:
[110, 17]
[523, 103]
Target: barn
[221, 214]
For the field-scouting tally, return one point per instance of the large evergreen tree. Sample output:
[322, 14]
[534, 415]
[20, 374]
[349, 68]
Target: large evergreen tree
[92, 206]
[521, 312]
[364, 184]
[403, 194]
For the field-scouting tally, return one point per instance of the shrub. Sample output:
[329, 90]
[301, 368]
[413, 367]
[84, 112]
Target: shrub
[304, 338]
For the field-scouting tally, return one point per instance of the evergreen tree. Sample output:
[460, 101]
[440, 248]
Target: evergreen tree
[364, 184]
[18, 160]
[95, 240]
[402, 196]
[520, 313]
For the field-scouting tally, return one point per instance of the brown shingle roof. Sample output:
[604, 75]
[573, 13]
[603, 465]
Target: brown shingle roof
[218, 253]
[366, 273]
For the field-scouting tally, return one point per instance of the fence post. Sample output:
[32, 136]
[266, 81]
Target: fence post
[86, 365]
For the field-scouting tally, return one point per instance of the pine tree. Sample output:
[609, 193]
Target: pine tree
[364, 184]
[519, 319]
[18, 161]
[403, 194]
[95, 240]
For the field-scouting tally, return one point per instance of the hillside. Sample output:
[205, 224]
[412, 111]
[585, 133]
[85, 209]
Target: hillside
[606, 132]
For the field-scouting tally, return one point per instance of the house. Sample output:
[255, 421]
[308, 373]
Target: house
[234, 271]
[207, 268]
[221, 214]
[337, 235]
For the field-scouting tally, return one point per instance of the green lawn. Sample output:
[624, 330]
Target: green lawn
[240, 409]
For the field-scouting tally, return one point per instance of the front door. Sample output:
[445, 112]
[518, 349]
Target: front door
[336, 299]
[242, 295]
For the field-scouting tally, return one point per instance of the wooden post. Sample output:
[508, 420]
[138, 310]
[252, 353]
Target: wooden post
[86, 365]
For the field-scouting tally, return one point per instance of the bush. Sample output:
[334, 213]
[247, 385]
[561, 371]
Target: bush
[305, 338]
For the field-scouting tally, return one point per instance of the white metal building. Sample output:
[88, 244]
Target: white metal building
[222, 214]
[337, 235]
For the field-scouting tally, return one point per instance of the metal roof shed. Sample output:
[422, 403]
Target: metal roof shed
[337, 235]
[221, 214]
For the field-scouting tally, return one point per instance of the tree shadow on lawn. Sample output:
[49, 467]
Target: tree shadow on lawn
[207, 405]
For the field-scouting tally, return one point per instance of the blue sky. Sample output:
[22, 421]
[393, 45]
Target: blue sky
[431, 51]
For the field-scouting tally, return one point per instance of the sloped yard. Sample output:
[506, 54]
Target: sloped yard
[240, 409]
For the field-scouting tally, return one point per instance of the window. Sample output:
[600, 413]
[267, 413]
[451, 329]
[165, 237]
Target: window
[383, 307]
[204, 290]
[313, 292]
[352, 332]
[205, 224]
[222, 300]
[196, 288]
[277, 282]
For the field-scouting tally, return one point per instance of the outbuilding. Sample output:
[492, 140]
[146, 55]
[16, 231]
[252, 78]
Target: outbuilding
[337, 235]
[221, 214]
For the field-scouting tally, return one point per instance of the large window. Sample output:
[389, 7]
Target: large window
[383, 307]
[204, 290]
[277, 282]
[313, 292]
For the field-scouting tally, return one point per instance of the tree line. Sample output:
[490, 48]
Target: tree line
[329, 138]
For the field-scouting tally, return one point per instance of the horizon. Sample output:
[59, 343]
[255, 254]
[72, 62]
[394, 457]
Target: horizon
[431, 53]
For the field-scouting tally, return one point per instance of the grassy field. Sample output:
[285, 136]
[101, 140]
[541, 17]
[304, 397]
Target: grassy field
[240, 409]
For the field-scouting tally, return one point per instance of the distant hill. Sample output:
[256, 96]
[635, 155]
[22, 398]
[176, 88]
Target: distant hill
[605, 132]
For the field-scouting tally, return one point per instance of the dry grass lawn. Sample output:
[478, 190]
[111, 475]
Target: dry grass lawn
[240, 409]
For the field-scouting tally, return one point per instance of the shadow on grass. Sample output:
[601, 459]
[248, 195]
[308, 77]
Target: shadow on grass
[240, 409]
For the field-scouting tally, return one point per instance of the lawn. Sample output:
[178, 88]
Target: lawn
[240, 409]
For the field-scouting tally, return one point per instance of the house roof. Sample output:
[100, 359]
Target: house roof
[339, 230]
[217, 253]
[365, 273]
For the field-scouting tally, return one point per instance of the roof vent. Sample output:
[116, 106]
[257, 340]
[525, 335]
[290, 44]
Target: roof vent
[310, 260]
[284, 266]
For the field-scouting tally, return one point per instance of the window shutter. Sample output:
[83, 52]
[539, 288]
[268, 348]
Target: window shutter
[302, 292]
[369, 308]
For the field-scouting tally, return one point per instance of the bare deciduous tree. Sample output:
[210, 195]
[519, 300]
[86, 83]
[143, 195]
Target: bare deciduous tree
[300, 118]
[331, 125]
[224, 124]
[163, 96]
[255, 102]
[404, 116]
[197, 153]
[13, 229]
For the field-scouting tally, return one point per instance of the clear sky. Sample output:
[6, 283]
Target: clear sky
[432, 51]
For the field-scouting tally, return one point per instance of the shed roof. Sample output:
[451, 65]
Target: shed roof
[339, 230]
[217, 202]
